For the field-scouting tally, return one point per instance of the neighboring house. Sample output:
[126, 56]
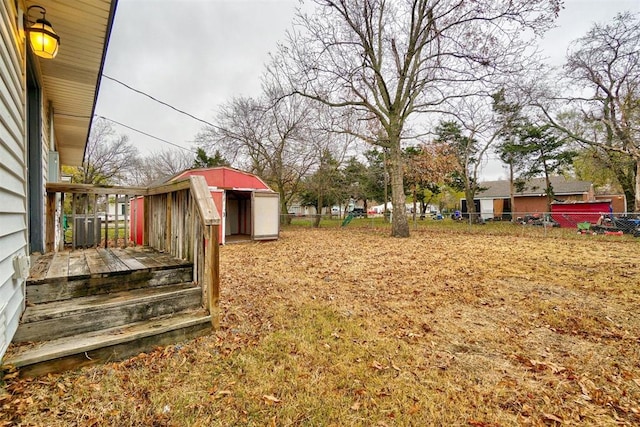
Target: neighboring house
[249, 209]
[297, 209]
[494, 202]
[618, 202]
[117, 209]
[46, 106]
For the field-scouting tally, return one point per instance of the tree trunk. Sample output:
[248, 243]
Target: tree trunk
[415, 205]
[316, 222]
[285, 218]
[512, 193]
[400, 224]
[471, 206]
[548, 191]
[386, 185]
[629, 186]
[637, 192]
[626, 175]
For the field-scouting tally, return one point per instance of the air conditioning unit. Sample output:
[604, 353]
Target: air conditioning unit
[86, 230]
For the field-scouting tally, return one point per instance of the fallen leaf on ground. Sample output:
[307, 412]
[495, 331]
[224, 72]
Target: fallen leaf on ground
[552, 417]
[271, 398]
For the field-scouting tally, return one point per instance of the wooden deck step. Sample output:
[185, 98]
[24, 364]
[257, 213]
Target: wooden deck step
[71, 274]
[107, 345]
[59, 319]
[63, 288]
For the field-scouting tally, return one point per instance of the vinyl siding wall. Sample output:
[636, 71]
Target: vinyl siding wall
[13, 186]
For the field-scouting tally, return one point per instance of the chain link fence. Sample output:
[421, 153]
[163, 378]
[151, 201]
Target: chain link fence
[520, 223]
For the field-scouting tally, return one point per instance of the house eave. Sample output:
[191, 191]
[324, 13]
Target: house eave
[71, 80]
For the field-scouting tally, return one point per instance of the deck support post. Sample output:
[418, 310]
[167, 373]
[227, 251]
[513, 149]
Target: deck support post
[50, 227]
[212, 273]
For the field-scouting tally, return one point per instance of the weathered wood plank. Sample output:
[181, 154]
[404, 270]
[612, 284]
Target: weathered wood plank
[111, 261]
[112, 344]
[167, 224]
[126, 258]
[64, 187]
[40, 267]
[169, 187]
[127, 226]
[81, 286]
[59, 265]
[44, 322]
[153, 259]
[148, 259]
[146, 221]
[96, 263]
[168, 260]
[74, 197]
[96, 224]
[78, 264]
[204, 201]
[61, 225]
[50, 226]
[214, 272]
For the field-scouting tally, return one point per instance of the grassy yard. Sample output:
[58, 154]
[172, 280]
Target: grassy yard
[341, 327]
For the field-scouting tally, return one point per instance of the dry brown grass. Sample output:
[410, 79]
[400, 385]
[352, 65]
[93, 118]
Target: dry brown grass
[351, 327]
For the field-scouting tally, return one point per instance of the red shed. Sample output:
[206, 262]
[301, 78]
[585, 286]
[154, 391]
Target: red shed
[249, 209]
[569, 214]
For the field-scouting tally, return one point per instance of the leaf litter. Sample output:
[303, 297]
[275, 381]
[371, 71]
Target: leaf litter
[351, 327]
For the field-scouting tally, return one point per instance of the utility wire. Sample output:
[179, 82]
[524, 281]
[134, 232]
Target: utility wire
[146, 134]
[128, 127]
[162, 102]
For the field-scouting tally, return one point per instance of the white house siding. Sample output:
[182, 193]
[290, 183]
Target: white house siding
[13, 215]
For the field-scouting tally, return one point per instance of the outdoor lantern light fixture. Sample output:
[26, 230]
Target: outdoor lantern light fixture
[44, 41]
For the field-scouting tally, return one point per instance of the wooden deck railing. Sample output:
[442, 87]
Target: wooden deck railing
[179, 218]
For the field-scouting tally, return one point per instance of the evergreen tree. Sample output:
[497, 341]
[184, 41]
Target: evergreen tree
[202, 160]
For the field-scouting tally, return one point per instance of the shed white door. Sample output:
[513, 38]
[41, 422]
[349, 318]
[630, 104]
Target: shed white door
[265, 214]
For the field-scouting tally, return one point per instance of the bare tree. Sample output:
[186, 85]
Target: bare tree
[109, 158]
[389, 60]
[162, 164]
[603, 76]
[268, 137]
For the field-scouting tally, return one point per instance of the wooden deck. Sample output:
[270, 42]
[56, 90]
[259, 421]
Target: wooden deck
[99, 261]
[93, 305]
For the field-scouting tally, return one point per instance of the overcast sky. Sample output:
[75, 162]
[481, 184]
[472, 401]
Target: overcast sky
[197, 54]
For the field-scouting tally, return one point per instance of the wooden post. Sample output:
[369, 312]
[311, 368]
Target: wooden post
[212, 273]
[62, 229]
[127, 226]
[167, 237]
[115, 225]
[85, 198]
[74, 196]
[96, 227]
[106, 221]
[50, 239]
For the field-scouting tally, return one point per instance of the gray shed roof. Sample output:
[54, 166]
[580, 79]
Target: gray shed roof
[534, 186]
